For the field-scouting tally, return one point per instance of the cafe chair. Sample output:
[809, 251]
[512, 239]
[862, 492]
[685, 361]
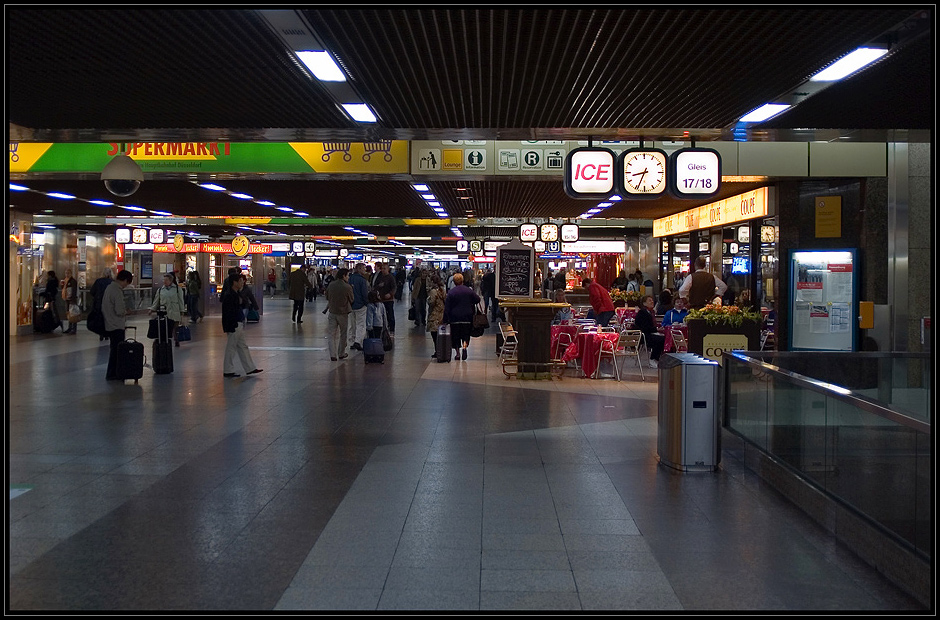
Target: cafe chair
[679, 342]
[627, 345]
[510, 341]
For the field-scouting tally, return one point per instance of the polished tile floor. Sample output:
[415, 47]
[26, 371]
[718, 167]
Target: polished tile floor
[411, 485]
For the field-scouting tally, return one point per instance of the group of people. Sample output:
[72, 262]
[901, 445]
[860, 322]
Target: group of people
[67, 289]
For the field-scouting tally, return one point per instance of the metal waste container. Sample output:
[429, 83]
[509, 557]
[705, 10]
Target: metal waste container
[688, 424]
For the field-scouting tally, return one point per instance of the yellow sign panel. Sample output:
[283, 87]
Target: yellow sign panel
[737, 208]
[24, 154]
[828, 216]
[382, 156]
[715, 344]
[247, 220]
[452, 159]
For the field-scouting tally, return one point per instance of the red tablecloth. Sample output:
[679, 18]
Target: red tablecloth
[682, 327]
[586, 348]
[557, 331]
[628, 312]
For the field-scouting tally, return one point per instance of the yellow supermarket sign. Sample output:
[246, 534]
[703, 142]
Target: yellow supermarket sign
[738, 208]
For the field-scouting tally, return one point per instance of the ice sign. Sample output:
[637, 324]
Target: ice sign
[589, 173]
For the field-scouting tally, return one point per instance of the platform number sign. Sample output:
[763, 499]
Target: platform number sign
[694, 173]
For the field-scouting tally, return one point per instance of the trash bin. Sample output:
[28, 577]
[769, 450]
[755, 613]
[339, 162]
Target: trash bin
[688, 424]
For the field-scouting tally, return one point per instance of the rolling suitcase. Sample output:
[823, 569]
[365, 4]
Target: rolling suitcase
[443, 344]
[373, 351]
[130, 358]
[162, 348]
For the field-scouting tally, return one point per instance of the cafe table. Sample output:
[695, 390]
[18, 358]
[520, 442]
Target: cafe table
[668, 347]
[586, 348]
[557, 331]
[626, 313]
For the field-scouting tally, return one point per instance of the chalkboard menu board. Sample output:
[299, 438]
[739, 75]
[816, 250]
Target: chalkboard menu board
[514, 270]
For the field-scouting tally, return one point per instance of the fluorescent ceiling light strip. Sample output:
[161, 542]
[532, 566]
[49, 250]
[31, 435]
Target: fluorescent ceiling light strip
[301, 213]
[360, 112]
[434, 204]
[849, 64]
[421, 188]
[101, 203]
[242, 196]
[322, 65]
[212, 186]
[265, 203]
[133, 208]
[18, 188]
[764, 112]
[60, 195]
[161, 213]
[285, 209]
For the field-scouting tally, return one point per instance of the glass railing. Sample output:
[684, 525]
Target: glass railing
[856, 425]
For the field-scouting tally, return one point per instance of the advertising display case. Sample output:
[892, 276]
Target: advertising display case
[823, 300]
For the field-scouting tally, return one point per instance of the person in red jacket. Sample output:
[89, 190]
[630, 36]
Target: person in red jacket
[600, 300]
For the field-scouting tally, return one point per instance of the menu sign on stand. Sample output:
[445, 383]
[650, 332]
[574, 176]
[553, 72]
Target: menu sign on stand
[515, 270]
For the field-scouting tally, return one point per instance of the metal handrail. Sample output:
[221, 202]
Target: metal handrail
[836, 391]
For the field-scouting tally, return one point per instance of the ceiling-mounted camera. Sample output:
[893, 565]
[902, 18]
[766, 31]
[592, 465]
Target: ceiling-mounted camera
[122, 175]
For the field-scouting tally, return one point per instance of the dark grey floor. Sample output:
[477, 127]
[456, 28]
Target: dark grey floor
[405, 486]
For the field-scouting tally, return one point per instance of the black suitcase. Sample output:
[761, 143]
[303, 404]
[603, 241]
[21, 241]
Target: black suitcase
[373, 351]
[130, 358]
[444, 348]
[162, 348]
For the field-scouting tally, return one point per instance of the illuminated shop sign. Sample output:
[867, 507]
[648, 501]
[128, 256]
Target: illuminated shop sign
[211, 248]
[738, 208]
[589, 173]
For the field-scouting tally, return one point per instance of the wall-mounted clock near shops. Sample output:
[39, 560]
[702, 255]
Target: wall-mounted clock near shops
[644, 173]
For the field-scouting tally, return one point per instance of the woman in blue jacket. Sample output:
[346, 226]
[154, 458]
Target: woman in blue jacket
[459, 306]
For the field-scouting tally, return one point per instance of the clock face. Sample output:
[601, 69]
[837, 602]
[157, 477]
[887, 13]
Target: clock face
[644, 172]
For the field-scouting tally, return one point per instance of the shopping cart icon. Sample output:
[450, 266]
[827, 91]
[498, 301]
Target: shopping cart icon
[13, 154]
[336, 147]
[382, 146]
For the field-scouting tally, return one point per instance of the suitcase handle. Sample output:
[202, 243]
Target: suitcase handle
[127, 327]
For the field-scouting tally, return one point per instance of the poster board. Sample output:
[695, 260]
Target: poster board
[824, 300]
[515, 270]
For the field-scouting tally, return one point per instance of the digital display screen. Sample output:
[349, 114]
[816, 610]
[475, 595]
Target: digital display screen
[740, 265]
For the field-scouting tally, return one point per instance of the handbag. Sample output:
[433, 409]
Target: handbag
[153, 331]
[95, 322]
[252, 316]
[74, 313]
[183, 333]
[479, 319]
[411, 313]
[387, 342]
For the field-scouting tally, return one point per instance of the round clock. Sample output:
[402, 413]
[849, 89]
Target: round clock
[644, 172]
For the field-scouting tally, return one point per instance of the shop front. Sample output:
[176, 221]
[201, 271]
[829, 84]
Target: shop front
[738, 238]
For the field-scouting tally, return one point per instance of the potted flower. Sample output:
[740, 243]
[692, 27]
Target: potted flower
[716, 319]
[623, 297]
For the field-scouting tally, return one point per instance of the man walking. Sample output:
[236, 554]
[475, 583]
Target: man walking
[385, 286]
[232, 324]
[339, 299]
[115, 309]
[357, 319]
[297, 285]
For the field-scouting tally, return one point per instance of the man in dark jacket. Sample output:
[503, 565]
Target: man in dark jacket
[297, 285]
[97, 294]
[385, 286]
[232, 317]
[357, 318]
[488, 290]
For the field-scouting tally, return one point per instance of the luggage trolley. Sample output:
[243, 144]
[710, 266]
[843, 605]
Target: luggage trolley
[336, 147]
[382, 146]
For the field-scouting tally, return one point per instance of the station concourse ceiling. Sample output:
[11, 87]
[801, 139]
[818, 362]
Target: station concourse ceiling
[176, 74]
